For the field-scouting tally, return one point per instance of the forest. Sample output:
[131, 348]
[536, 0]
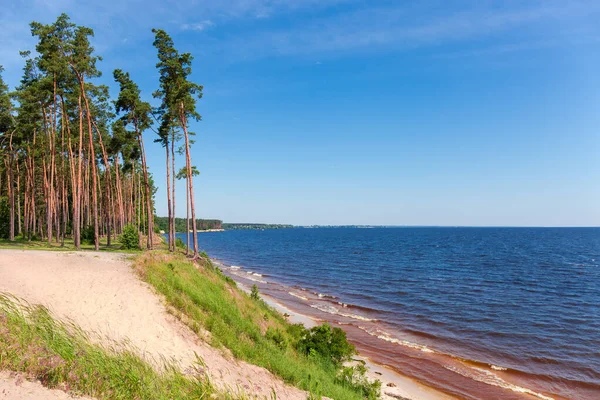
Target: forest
[162, 223]
[74, 166]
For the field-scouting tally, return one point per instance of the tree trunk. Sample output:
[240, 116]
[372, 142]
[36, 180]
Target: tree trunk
[94, 172]
[173, 177]
[169, 199]
[187, 217]
[78, 186]
[188, 164]
[149, 210]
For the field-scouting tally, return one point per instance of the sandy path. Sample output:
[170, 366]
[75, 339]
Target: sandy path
[101, 293]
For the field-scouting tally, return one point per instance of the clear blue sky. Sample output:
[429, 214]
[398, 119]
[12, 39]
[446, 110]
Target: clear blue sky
[368, 112]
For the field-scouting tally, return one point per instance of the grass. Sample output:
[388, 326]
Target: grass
[24, 244]
[61, 356]
[206, 300]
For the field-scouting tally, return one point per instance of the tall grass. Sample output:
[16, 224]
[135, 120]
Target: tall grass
[207, 300]
[61, 356]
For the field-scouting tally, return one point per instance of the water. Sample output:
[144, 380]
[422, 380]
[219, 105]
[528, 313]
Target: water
[475, 312]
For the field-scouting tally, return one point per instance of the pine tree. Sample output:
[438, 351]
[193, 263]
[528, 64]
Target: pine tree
[178, 102]
[138, 114]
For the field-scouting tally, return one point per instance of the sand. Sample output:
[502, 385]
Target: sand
[14, 387]
[101, 293]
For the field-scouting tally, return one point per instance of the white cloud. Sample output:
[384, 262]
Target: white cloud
[199, 26]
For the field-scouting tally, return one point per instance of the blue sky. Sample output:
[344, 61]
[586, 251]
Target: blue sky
[368, 112]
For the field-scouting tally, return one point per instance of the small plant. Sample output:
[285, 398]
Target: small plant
[254, 295]
[130, 238]
[87, 235]
[327, 342]
[180, 243]
[277, 337]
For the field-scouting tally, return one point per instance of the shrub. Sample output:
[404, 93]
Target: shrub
[4, 218]
[254, 293]
[180, 243]
[130, 238]
[87, 234]
[277, 337]
[327, 342]
[356, 376]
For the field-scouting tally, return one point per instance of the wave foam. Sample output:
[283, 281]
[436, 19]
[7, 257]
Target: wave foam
[298, 296]
[488, 377]
[378, 333]
[336, 311]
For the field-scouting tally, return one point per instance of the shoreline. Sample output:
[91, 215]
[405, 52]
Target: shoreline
[394, 385]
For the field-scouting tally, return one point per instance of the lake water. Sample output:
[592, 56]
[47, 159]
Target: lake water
[475, 312]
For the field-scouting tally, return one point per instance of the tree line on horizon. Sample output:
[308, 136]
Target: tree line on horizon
[74, 162]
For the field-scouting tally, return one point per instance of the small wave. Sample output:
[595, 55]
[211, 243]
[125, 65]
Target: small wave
[259, 275]
[492, 379]
[235, 267]
[336, 311]
[378, 333]
[497, 368]
[325, 296]
[250, 277]
[256, 280]
[298, 296]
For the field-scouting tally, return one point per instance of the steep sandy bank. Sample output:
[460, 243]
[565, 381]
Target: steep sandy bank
[101, 293]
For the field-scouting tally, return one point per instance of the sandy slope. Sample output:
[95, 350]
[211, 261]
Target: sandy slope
[100, 293]
[16, 388]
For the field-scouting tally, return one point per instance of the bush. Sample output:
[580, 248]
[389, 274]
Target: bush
[277, 337]
[180, 243]
[4, 218]
[254, 293]
[356, 376]
[327, 342]
[87, 235]
[130, 238]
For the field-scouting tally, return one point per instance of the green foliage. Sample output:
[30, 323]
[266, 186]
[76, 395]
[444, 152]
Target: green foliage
[6, 119]
[254, 295]
[327, 342]
[250, 329]
[177, 93]
[130, 238]
[180, 243]
[87, 234]
[229, 226]
[356, 375]
[277, 337]
[135, 111]
[181, 225]
[4, 218]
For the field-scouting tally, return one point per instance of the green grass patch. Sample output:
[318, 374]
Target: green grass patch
[205, 298]
[61, 356]
[24, 244]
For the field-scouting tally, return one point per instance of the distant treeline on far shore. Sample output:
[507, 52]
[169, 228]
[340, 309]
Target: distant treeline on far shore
[162, 224]
[229, 226]
[181, 225]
